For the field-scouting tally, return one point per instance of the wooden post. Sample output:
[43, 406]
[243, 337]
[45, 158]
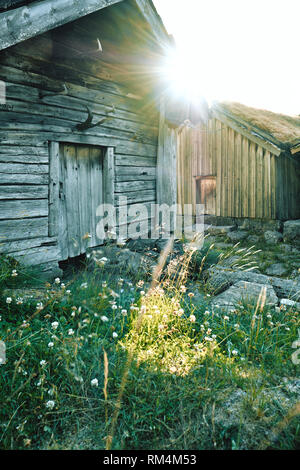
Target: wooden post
[53, 188]
[166, 184]
[109, 176]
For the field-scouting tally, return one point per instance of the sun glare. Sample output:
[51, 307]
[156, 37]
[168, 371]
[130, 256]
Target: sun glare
[235, 51]
[183, 75]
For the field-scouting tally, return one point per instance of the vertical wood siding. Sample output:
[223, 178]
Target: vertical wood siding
[251, 182]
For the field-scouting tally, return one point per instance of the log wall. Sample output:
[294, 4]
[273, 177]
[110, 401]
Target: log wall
[30, 121]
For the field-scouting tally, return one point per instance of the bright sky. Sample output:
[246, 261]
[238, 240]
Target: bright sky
[237, 50]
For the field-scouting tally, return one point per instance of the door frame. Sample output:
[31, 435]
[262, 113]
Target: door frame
[53, 199]
[199, 178]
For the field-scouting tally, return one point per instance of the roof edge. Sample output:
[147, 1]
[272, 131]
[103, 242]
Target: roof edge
[25, 22]
[254, 134]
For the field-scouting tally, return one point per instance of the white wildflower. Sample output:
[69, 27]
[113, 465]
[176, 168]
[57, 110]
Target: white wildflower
[54, 325]
[94, 383]
[8, 300]
[50, 404]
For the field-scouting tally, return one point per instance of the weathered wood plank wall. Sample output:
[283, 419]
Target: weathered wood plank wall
[30, 122]
[251, 182]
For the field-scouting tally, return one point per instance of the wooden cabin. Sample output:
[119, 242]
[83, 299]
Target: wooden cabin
[80, 122]
[242, 163]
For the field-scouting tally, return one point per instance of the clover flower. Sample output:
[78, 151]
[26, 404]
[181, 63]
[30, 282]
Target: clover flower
[94, 383]
[50, 404]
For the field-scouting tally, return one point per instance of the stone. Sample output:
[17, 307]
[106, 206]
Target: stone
[122, 260]
[238, 235]
[259, 225]
[253, 239]
[141, 245]
[220, 278]
[290, 303]
[243, 291]
[49, 271]
[291, 231]
[277, 269]
[286, 288]
[219, 230]
[273, 238]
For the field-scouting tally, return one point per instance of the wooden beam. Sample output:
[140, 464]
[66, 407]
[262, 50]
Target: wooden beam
[36, 18]
[295, 149]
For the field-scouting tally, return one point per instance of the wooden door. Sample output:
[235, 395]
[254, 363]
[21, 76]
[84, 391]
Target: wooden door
[206, 193]
[80, 193]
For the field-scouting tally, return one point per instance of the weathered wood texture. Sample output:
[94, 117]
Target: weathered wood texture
[36, 18]
[251, 182]
[39, 118]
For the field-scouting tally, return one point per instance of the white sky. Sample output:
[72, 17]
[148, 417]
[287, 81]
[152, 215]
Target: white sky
[239, 50]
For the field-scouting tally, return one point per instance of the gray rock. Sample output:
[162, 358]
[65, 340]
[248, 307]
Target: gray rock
[141, 245]
[277, 269]
[273, 238]
[286, 288]
[290, 303]
[122, 260]
[220, 278]
[49, 271]
[219, 230]
[291, 231]
[243, 291]
[259, 225]
[253, 239]
[238, 235]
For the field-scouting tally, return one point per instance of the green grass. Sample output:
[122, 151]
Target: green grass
[178, 375]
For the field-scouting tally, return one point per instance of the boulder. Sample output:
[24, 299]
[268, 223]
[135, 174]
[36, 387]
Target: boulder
[290, 303]
[121, 260]
[219, 229]
[220, 278]
[253, 239]
[291, 231]
[243, 291]
[277, 269]
[272, 238]
[238, 235]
